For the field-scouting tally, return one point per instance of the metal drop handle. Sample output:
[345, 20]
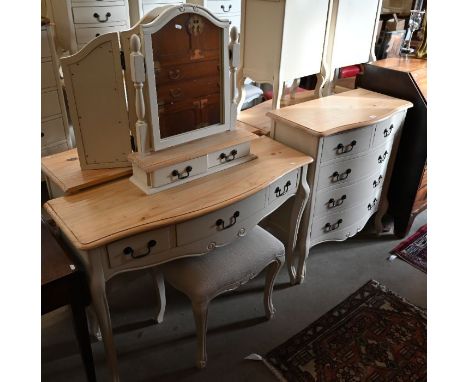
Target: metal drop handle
[98, 17]
[331, 227]
[232, 220]
[228, 157]
[224, 10]
[179, 175]
[332, 203]
[129, 251]
[278, 191]
[342, 149]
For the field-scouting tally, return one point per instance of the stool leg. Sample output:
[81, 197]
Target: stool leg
[158, 281]
[200, 314]
[270, 277]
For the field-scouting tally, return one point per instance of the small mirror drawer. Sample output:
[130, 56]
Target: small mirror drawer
[140, 246]
[99, 15]
[50, 104]
[179, 171]
[284, 187]
[226, 220]
[346, 144]
[228, 154]
[385, 130]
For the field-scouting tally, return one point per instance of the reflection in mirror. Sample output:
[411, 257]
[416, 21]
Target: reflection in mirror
[187, 61]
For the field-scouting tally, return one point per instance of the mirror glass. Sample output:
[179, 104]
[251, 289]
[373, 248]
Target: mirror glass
[187, 55]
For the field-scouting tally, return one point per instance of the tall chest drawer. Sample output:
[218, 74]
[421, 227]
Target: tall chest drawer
[224, 8]
[52, 131]
[99, 15]
[50, 104]
[47, 75]
[136, 248]
[85, 35]
[343, 145]
[226, 221]
[45, 48]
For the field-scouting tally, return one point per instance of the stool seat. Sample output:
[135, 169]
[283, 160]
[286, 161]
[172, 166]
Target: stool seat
[204, 277]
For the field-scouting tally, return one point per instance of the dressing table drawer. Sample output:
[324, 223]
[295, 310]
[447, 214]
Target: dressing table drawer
[284, 187]
[226, 220]
[339, 199]
[179, 171]
[144, 245]
[228, 154]
[99, 15]
[346, 144]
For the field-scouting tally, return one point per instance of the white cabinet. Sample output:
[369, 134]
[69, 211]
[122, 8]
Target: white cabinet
[353, 137]
[139, 8]
[54, 121]
[79, 21]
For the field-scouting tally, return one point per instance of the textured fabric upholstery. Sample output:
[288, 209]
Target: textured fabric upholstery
[203, 277]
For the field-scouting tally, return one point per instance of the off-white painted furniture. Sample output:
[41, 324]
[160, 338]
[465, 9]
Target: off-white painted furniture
[54, 120]
[223, 9]
[139, 8]
[80, 21]
[115, 228]
[281, 40]
[203, 278]
[354, 136]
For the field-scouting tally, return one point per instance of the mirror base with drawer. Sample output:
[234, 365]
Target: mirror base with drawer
[353, 136]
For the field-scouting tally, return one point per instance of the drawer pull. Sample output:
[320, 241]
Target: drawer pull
[377, 182]
[224, 10]
[42, 134]
[98, 17]
[372, 205]
[336, 176]
[174, 74]
[331, 227]
[130, 251]
[342, 149]
[386, 132]
[228, 158]
[97, 34]
[332, 203]
[188, 169]
[285, 189]
[176, 93]
[232, 220]
[382, 157]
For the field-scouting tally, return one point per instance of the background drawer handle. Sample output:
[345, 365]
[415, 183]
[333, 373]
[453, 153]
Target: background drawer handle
[386, 132]
[176, 93]
[42, 134]
[285, 189]
[97, 34]
[372, 205]
[336, 176]
[377, 182]
[188, 169]
[382, 157]
[224, 10]
[331, 227]
[332, 203]
[129, 250]
[98, 17]
[230, 157]
[174, 74]
[342, 149]
[220, 222]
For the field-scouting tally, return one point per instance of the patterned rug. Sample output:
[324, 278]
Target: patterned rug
[414, 249]
[373, 335]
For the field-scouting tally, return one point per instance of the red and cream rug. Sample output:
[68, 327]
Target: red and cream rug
[373, 335]
[414, 249]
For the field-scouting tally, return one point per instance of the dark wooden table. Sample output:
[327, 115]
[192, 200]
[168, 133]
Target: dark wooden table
[63, 283]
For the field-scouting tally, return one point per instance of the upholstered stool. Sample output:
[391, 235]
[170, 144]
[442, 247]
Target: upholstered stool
[204, 277]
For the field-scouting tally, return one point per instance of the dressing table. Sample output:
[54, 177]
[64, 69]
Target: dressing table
[117, 228]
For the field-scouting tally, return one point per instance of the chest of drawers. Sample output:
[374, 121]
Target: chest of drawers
[54, 121]
[80, 21]
[353, 136]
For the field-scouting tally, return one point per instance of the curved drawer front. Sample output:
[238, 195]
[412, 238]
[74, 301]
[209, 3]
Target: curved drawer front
[224, 7]
[179, 171]
[349, 171]
[226, 221]
[325, 227]
[139, 247]
[340, 199]
[284, 187]
[385, 130]
[228, 154]
[99, 15]
[343, 145]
